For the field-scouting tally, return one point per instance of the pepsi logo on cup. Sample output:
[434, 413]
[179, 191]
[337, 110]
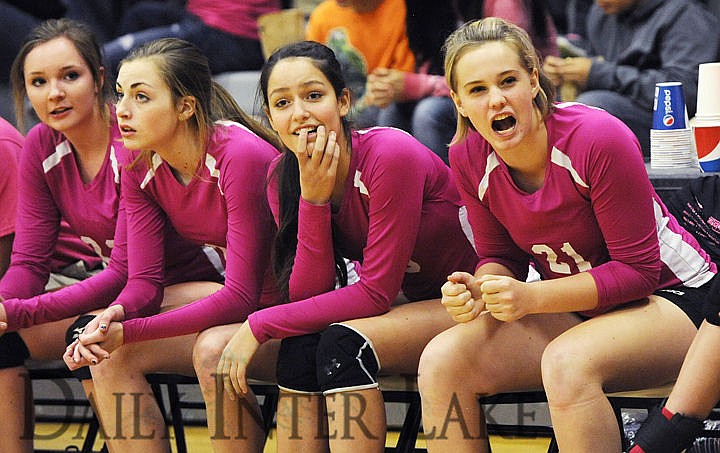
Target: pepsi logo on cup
[669, 106]
[707, 138]
[668, 119]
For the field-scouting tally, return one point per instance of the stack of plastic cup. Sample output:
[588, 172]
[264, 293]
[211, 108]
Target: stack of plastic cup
[707, 118]
[671, 140]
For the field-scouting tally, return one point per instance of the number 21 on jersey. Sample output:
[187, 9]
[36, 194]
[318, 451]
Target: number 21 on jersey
[566, 250]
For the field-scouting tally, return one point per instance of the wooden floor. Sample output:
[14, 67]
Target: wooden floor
[198, 440]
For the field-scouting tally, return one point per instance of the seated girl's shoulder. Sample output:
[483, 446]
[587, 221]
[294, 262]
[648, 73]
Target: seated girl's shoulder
[42, 133]
[383, 133]
[472, 145]
[585, 116]
[590, 131]
[232, 130]
[389, 141]
[241, 136]
[42, 142]
[9, 157]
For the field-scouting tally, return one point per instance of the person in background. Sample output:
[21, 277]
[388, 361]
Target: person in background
[570, 18]
[364, 35]
[112, 18]
[419, 102]
[674, 426]
[551, 185]
[225, 30]
[17, 19]
[70, 175]
[376, 197]
[632, 46]
[198, 164]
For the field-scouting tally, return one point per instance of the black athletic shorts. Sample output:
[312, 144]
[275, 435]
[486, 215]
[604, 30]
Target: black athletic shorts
[689, 300]
[712, 303]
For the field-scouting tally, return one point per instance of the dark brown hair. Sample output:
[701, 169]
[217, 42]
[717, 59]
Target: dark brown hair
[185, 70]
[87, 46]
[287, 171]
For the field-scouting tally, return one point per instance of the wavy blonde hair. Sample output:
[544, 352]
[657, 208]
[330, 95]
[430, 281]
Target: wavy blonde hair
[493, 29]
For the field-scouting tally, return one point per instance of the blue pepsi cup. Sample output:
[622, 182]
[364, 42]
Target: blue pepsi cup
[669, 106]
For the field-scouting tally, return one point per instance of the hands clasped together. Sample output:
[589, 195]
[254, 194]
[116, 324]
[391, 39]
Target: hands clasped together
[318, 162]
[575, 70]
[466, 297]
[384, 86]
[101, 336]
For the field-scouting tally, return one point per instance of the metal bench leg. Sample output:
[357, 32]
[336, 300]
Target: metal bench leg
[553, 447]
[411, 426]
[177, 418]
[269, 406]
[93, 429]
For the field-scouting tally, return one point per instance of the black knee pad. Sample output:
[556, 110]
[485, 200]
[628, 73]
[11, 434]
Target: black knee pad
[660, 435]
[346, 360]
[296, 365]
[13, 351]
[72, 333]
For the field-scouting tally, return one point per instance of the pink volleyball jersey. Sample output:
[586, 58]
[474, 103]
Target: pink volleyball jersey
[400, 217]
[596, 211]
[225, 207]
[11, 142]
[68, 248]
[51, 191]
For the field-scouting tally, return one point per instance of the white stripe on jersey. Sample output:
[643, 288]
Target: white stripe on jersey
[563, 160]
[156, 161]
[562, 105]
[373, 128]
[465, 226]
[679, 256]
[210, 161]
[214, 257]
[211, 165]
[352, 274]
[490, 165]
[114, 165]
[359, 184]
[234, 123]
[61, 150]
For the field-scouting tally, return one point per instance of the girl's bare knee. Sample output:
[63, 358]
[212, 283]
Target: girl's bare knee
[567, 371]
[431, 367]
[444, 368]
[207, 350]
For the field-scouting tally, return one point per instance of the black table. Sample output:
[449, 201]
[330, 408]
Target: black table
[667, 181]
